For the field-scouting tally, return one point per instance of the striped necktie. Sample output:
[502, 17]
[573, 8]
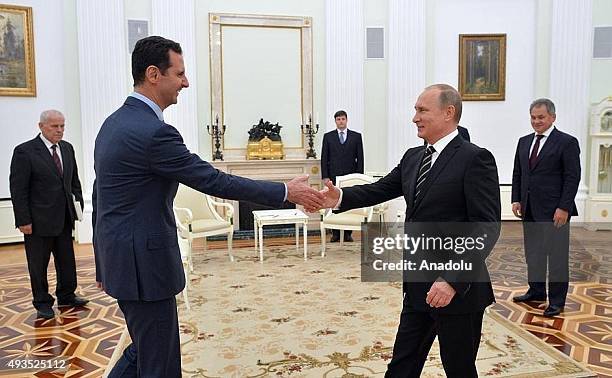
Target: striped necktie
[424, 170]
[57, 160]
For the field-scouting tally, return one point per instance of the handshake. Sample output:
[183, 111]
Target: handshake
[301, 193]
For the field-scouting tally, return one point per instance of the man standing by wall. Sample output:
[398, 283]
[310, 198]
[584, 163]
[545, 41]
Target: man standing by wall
[449, 180]
[544, 184]
[139, 162]
[341, 154]
[43, 181]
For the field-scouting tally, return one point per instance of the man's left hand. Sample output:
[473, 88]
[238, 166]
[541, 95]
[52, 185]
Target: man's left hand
[560, 218]
[440, 294]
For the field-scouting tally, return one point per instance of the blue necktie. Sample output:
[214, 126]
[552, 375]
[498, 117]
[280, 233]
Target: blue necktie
[342, 137]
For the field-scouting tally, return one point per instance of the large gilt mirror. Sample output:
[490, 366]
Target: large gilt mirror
[261, 67]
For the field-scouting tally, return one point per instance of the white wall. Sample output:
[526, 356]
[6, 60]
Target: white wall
[601, 76]
[375, 93]
[495, 125]
[19, 115]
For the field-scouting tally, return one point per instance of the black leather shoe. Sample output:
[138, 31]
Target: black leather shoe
[528, 297]
[348, 238]
[74, 302]
[334, 239]
[45, 313]
[552, 310]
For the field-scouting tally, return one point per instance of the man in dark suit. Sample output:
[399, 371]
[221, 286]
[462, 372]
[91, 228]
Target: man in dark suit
[44, 183]
[139, 162]
[341, 154]
[450, 180]
[544, 184]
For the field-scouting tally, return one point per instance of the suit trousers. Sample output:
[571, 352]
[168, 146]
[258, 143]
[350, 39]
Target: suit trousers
[155, 349]
[458, 336]
[547, 249]
[38, 252]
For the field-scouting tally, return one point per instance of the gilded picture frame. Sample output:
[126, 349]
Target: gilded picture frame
[17, 76]
[482, 67]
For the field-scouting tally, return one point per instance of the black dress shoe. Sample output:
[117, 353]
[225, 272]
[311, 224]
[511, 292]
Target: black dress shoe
[528, 297]
[74, 302]
[334, 239]
[45, 313]
[552, 310]
[348, 238]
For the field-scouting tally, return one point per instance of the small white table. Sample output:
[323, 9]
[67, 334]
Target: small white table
[285, 216]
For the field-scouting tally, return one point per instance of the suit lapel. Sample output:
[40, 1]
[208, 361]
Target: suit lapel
[524, 146]
[418, 158]
[46, 156]
[66, 162]
[336, 138]
[547, 147]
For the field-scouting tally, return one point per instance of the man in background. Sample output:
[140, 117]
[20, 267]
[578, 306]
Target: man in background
[544, 184]
[44, 184]
[341, 154]
[139, 161]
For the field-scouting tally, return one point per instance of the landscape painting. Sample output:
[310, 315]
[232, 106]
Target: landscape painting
[17, 76]
[482, 67]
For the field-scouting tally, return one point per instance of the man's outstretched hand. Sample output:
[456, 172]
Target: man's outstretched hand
[332, 195]
[300, 192]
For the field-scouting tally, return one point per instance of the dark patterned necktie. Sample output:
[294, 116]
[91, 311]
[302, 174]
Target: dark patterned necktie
[424, 170]
[534, 153]
[56, 159]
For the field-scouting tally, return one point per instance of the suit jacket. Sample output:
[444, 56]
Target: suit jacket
[341, 159]
[553, 181]
[40, 195]
[464, 133]
[139, 162]
[462, 186]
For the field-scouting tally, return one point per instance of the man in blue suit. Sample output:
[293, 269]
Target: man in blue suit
[544, 184]
[139, 162]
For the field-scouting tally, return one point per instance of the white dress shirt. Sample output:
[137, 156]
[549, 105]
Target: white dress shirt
[440, 145]
[542, 140]
[49, 145]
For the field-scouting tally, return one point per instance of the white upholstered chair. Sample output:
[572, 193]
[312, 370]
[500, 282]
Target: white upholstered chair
[197, 217]
[348, 220]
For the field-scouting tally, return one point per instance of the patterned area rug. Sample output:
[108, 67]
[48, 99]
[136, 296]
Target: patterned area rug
[293, 318]
[287, 287]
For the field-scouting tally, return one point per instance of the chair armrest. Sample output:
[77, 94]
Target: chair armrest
[381, 207]
[229, 212]
[184, 216]
[324, 213]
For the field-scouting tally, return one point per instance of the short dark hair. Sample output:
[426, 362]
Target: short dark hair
[449, 96]
[340, 113]
[152, 51]
[550, 106]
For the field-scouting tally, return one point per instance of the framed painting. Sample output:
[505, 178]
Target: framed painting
[17, 76]
[482, 67]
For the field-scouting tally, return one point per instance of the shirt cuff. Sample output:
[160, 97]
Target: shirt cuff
[339, 201]
[287, 192]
